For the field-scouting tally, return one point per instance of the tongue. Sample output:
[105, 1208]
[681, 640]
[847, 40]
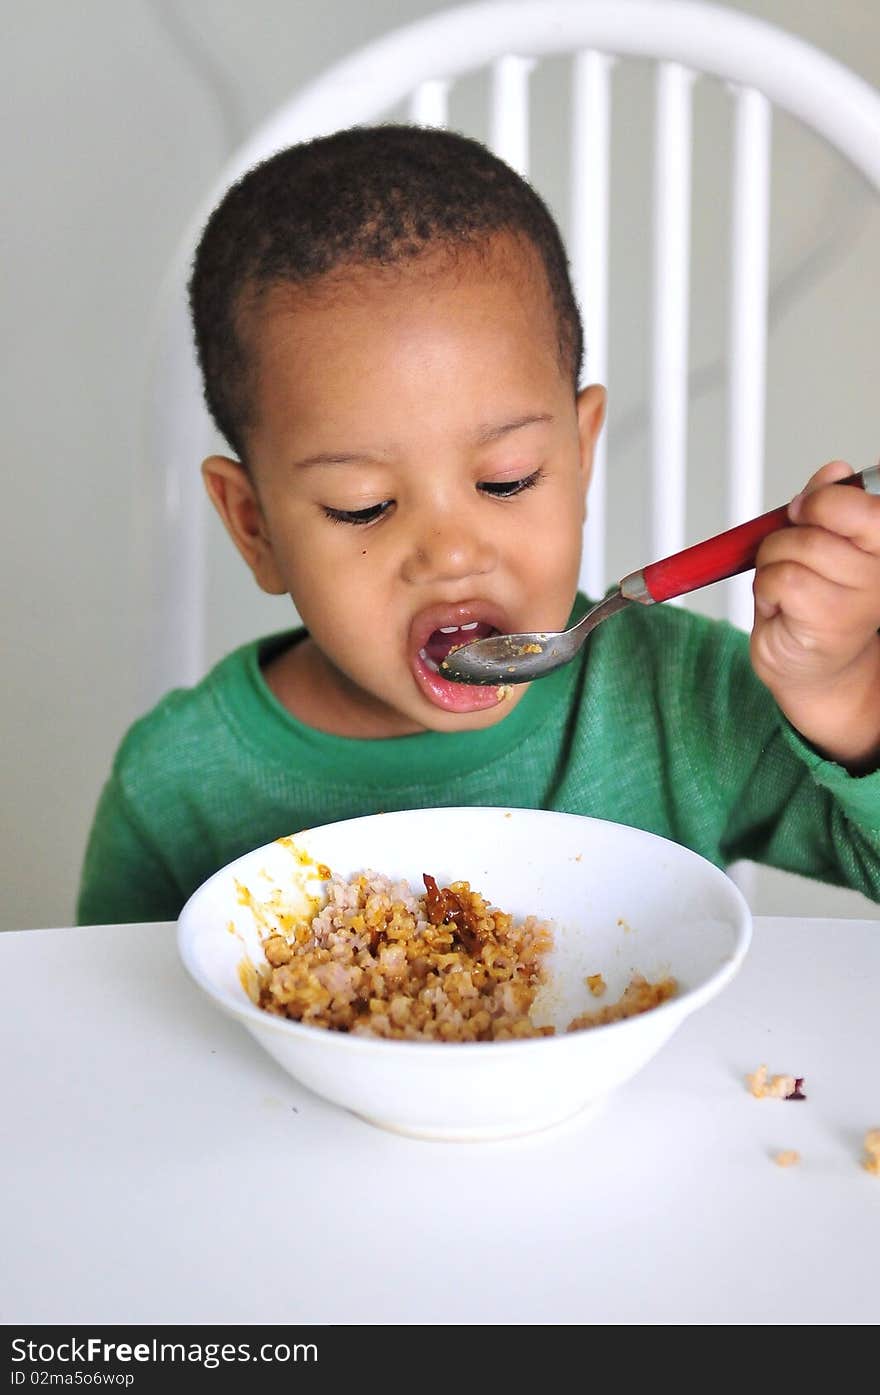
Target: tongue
[439, 645]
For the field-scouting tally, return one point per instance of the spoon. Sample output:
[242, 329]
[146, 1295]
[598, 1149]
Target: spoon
[519, 658]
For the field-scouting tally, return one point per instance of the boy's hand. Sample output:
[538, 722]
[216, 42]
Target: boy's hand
[817, 612]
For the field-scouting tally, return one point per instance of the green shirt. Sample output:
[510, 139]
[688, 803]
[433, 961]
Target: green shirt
[659, 723]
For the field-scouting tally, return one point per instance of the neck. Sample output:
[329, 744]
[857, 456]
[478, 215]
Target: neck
[320, 696]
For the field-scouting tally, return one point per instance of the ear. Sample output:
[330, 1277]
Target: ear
[231, 491]
[591, 417]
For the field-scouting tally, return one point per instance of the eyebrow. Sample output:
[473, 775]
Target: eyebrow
[494, 433]
[331, 457]
[484, 437]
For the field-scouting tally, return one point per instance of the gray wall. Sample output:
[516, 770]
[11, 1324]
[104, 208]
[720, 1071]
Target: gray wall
[118, 116]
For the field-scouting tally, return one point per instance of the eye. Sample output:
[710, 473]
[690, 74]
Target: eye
[358, 516]
[508, 489]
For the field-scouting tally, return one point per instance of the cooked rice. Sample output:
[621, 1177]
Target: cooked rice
[371, 962]
[378, 960]
[638, 996]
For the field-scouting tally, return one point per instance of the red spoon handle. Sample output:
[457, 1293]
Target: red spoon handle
[729, 553]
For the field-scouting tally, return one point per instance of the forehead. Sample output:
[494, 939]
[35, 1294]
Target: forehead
[489, 298]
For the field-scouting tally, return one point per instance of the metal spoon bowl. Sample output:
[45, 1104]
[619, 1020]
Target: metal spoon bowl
[503, 659]
[520, 658]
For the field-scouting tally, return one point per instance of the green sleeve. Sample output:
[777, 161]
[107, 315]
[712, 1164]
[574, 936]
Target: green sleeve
[781, 802]
[124, 878]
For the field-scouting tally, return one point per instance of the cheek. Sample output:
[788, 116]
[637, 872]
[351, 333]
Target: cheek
[335, 581]
[559, 531]
[302, 541]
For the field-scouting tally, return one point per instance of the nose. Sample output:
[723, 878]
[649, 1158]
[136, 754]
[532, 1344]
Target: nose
[448, 546]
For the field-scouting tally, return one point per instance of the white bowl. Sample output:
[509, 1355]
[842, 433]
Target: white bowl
[618, 900]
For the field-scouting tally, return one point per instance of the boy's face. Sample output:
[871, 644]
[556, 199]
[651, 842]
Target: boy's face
[419, 466]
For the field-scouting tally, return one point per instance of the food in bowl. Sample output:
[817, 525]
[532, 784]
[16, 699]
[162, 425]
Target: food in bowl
[379, 959]
[444, 965]
[679, 915]
[640, 995]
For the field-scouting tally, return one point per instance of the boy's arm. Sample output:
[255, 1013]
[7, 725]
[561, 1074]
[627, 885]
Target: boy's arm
[123, 877]
[817, 612]
[799, 812]
[743, 782]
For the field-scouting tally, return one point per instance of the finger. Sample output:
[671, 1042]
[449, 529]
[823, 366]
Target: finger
[827, 553]
[851, 513]
[830, 473]
[818, 604]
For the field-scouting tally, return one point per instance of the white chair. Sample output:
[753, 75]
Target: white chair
[418, 64]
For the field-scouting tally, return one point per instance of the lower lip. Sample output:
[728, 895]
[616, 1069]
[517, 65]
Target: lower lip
[453, 697]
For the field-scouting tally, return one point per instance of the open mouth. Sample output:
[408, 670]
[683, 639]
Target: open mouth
[434, 634]
[442, 641]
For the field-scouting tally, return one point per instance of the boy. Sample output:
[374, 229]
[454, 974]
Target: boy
[390, 346]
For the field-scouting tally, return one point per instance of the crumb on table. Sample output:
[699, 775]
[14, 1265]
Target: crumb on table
[871, 1145]
[596, 984]
[788, 1157]
[778, 1087]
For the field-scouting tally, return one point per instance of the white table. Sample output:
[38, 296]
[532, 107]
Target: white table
[158, 1167]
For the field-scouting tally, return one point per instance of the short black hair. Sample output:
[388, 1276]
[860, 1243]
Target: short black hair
[370, 195]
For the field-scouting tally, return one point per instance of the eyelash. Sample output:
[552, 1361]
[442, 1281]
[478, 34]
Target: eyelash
[510, 489]
[362, 517]
[357, 516]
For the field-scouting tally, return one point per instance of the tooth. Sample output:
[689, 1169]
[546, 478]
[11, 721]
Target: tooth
[450, 629]
[426, 659]
[471, 626]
